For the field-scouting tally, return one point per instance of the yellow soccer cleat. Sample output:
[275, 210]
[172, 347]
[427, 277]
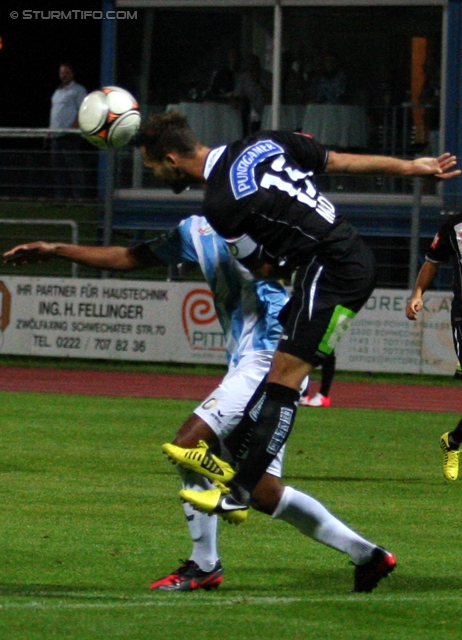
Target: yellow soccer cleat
[219, 501]
[451, 458]
[200, 460]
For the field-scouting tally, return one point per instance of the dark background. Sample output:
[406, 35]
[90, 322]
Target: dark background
[372, 42]
[32, 52]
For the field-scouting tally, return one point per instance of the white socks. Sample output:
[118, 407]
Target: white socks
[202, 527]
[312, 519]
[300, 510]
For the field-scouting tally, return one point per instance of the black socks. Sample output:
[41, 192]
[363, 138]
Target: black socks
[273, 415]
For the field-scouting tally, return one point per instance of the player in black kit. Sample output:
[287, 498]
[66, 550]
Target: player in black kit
[261, 196]
[446, 245]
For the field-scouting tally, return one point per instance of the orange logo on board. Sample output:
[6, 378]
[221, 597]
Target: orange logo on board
[198, 316]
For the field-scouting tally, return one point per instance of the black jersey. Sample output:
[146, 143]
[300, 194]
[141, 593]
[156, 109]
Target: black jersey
[447, 245]
[264, 186]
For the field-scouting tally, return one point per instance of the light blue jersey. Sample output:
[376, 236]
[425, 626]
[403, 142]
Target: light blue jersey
[247, 309]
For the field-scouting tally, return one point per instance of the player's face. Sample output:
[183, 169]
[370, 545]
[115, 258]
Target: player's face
[167, 172]
[65, 74]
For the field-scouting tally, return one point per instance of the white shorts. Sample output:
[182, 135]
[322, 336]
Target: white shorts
[225, 406]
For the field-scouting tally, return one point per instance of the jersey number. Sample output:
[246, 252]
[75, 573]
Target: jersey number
[306, 192]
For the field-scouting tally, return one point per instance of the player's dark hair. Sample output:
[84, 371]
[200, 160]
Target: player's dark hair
[166, 132]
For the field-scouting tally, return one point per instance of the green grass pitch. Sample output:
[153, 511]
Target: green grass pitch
[91, 515]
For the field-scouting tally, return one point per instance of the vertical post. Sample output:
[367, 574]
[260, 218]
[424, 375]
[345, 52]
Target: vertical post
[108, 199]
[106, 163]
[277, 48]
[143, 89]
[415, 232]
[452, 117]
[75, 240]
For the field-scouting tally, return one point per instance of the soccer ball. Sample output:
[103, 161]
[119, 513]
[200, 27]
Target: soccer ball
[109, 117]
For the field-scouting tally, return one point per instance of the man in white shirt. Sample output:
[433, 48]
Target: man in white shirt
[67, 148]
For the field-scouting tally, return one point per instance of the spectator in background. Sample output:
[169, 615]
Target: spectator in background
[322, 398]
[329, 82]
[295, 89]
[252, 92]
[224, 79]
[66, 148]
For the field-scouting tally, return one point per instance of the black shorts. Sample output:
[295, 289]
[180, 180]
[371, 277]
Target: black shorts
[325, 299]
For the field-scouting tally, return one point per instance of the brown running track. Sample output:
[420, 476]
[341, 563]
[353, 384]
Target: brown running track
[360, 395]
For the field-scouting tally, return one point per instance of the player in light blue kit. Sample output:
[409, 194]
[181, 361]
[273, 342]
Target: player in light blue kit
[248, 312]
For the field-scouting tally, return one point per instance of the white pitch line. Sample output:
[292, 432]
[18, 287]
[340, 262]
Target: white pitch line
[178, 600]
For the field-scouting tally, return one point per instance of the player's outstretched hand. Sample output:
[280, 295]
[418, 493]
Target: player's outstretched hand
[442, 168]
[29, 253]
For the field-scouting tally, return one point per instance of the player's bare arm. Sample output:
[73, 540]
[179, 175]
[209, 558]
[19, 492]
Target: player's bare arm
[117, 258]
[424, 279]
[443, 167]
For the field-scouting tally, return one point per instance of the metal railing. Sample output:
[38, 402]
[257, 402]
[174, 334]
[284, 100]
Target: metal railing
[33, 167]
[137, 202]
[31, 172]
[68, 223]
[34, 132]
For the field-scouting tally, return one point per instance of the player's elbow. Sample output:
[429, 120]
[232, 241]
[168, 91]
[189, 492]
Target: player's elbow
[335, 162]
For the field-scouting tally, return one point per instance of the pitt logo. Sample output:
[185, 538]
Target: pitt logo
[242, 172]
[200, 322]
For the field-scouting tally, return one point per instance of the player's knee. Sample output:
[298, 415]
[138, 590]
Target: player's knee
[193, 430]
[288, 370]
[267, 494]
